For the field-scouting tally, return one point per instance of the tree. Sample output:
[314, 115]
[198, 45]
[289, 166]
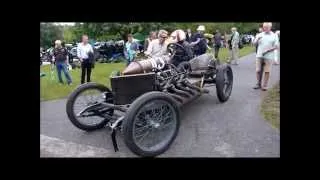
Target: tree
[106, 31]
[49, 33]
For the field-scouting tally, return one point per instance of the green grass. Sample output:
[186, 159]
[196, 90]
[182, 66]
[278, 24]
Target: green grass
[270, 107]
[53, 90]
[224, 52]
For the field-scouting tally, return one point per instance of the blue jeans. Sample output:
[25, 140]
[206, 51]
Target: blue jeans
[61, 66]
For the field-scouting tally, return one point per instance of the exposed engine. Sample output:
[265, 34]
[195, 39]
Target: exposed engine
[174, 82]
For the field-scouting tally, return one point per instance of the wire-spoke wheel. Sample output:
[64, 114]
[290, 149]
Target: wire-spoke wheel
[84, 107]
[151, 124]
[224, 82]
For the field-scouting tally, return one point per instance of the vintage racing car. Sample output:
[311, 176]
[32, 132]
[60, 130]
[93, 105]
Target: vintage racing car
[144, 100]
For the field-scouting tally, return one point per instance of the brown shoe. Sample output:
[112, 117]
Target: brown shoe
[264, 89]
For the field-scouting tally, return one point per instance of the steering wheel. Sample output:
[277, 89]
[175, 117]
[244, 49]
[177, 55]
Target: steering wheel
[177, 50]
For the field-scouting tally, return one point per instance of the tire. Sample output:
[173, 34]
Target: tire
[222, 93]
[129, 123]
[71, 101]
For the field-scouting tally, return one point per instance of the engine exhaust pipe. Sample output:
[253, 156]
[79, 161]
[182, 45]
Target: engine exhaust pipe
[201, 90]
[187, 89]
[177, 91]
[177, 97]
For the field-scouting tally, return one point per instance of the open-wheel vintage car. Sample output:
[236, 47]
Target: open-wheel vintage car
[145, 99]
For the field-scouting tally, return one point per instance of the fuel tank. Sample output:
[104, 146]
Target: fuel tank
[146, 65]
[201, 62]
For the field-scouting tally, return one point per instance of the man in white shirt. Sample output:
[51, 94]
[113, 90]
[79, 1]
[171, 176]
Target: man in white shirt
[83, 52]
[267, 42]
[158, 47]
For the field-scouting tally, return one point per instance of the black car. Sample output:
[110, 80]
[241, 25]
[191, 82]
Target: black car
[246, 39]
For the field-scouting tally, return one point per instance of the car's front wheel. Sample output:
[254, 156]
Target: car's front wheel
[151, 124]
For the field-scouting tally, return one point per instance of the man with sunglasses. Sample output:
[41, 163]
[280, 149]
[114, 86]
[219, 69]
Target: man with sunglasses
[158, 47]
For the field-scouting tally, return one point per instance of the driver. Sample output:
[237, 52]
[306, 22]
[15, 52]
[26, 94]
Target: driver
[158, 47]
[179, 37]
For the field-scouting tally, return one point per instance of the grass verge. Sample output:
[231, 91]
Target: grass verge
[51, 89]
[270, 107]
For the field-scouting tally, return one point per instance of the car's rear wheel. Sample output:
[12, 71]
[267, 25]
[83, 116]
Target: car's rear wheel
[224, 82]
[89, 94]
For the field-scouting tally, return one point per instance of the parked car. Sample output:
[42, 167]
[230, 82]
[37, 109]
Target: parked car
[246, 39]
[40, 58]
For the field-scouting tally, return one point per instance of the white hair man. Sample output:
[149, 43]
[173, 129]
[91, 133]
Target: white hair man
[60, 57]
[158, 47]
[235, 38]
[185, 54]
[267, 42]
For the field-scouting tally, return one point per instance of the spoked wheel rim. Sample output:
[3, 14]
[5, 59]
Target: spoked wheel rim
[92, 98]
[227, 87]
[154, 125]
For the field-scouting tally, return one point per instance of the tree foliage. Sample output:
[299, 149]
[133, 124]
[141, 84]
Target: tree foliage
[48, 33]
[107, 31]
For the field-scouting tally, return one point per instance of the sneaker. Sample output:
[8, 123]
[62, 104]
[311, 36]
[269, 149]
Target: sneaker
[257, 86]
[70, 83]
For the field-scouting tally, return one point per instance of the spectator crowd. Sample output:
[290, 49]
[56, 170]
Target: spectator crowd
[195, 44]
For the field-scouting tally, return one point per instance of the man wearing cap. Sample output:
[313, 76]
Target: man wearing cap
[267, 44]
[60, 57]
[199, 42]
[158, 47]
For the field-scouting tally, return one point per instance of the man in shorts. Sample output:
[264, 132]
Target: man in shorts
[267, 42]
